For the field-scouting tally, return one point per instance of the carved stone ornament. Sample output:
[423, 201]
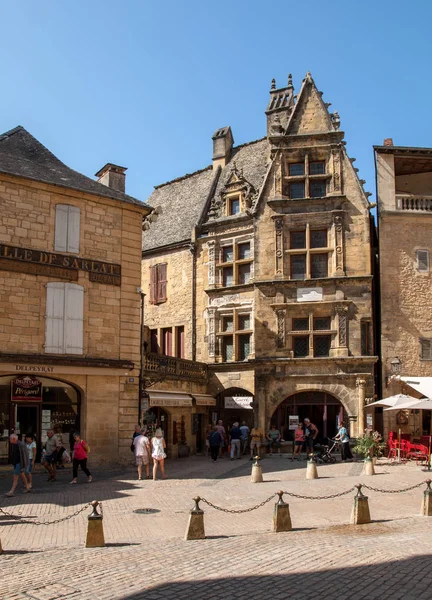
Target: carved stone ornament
[280, 314]
[337, 177]
[342, 312]
[279, 246]
[211, 329]
[338, 225]
[236, 183]
[211, 245]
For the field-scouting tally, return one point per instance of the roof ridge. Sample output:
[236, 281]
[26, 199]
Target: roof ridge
[156, 187]
[9, 133]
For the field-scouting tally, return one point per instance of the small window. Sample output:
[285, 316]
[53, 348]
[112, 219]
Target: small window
[227, 348]
[318, 238]
[228, 276]
[317, 189]
[300, 324]
[64, 318]
[426, 349]
[297, 190]
[319, 266]
[366, 341]
[244, 251]
[227, 254]
[243, 346]
[301, 346]
[244, 274]
[423, 260]
[297, 239]
[234, 206]
[227, 324]
[67, 228]
[298, 266]
[322, 345]
[158, 283]
[317, 168]
[321, 323]
[296, 169]
[244, 322]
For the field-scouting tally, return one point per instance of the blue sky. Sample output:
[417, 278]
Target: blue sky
[144, 84]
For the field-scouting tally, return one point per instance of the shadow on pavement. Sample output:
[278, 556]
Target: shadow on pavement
[409, 578]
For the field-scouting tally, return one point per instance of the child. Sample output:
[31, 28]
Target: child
[31, 447]
[158, 453]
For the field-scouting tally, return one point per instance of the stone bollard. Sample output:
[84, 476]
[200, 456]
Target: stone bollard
[195, 528]
[426, 507]
[368, 467]
[360, 513]
[281, 516]
[311, 468]
[95, 534]
[257, 476]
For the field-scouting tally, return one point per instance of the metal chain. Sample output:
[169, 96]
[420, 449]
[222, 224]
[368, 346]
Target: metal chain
[243, 510]
[8, 514]
[413, 487]
[320, 497]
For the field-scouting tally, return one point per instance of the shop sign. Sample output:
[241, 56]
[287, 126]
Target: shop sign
[293, 422]
[242, 402]
[205, 401]
[26, 389]
[37, 262]
[158, 402]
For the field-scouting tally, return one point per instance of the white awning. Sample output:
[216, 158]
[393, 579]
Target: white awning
[204, 400]
[168, 398]
[423, 385]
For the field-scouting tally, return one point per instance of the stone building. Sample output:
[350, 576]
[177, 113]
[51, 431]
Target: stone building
[70, 279]
[263, 262]
[404, 196]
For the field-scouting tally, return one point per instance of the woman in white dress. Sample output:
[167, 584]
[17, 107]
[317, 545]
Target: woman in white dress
[158, 453]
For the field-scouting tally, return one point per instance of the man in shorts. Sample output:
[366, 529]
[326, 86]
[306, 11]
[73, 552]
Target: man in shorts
[50, 459]
[20, 461]
[256, 436]
[142, 453]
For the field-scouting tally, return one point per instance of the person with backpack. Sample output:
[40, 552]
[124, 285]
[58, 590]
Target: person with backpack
[215, 443]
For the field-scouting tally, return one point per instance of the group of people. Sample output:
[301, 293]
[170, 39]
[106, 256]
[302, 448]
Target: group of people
[144, 449]
[23, 457]
[238, 437]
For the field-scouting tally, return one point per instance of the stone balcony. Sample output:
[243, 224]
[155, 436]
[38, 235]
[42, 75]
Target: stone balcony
[414, 204]
[177, 368]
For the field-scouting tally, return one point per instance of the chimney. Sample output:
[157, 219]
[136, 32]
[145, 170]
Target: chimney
[388, 142]
[222, 145]
[113, 176]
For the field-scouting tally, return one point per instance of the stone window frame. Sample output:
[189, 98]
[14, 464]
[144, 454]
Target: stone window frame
[311, 332]
[307, 177]
[234, 313]
[308, 251]
[216, 265]
[420, 260]
[214, 319]
[229, 198]
[425, 348]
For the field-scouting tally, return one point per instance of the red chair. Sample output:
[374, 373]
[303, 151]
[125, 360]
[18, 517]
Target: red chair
[419, 452]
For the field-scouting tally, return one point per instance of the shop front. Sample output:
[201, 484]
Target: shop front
[234, 405]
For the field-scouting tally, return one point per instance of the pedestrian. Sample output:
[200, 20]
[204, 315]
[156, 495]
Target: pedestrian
[31, 449]
[235, 440]
[298, 441]
[343, 437]
[274, 438]
[208, 433]
[60, 450]
[20, 461]
[245, 436]
[221, 429]
[136, 433]
[80, 456]
[158, 453]
[49, 460]
[256, 437]
[142, 453]
[310, 432]
[215, 441]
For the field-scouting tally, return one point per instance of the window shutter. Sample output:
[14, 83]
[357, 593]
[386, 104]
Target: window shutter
[423, 260]
[73, 237]
[162, 282]
[61, 227]
[153, 284]
[74, 317]
[54, 318]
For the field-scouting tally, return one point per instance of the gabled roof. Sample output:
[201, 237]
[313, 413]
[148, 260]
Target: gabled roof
[24, 156]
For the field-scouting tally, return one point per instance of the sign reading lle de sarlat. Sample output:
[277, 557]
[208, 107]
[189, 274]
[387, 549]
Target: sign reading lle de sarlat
[64, 266]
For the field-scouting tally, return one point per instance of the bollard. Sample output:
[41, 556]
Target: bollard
[281, 516]
[257, 476]
[368, 467]
[360, 513]
[95, 535]
[195, 528]
[426, 507]
[311, 468]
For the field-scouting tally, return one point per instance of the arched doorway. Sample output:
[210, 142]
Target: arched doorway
[323, 409]
[34, 404]
[234, 404]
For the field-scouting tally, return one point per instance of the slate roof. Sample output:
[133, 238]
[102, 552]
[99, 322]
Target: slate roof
[23, 155]
[183, 200]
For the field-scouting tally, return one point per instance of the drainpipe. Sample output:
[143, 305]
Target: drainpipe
[141, 373]
[192, 248]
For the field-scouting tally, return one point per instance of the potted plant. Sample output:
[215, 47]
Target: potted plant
[370, 445]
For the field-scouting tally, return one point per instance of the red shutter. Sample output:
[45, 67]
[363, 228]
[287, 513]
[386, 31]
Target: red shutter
[162, 282]
[153, 284]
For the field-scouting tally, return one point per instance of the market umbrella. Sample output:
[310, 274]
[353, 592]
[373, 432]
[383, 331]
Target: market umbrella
[395, 401]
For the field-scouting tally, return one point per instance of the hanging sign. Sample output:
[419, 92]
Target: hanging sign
[243, 402]
[26, 389]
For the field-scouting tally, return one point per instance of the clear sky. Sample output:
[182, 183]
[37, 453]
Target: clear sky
[144, 84]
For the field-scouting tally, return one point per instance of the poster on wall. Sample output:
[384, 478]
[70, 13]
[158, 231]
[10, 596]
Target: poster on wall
[242, 402]
[293, 421]
[26, 389]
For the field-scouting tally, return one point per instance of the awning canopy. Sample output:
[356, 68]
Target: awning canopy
[423, 385]
[169, 398]
[204, 400]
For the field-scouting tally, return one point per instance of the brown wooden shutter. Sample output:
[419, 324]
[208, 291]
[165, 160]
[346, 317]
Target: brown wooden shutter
[162, 282]
[153, 284]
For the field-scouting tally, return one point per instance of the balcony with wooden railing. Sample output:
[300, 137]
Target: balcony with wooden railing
[169, 367]
[414, 203]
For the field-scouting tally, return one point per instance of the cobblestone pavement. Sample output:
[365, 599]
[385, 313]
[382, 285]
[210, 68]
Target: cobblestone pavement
[147, 557]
